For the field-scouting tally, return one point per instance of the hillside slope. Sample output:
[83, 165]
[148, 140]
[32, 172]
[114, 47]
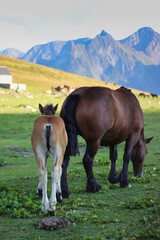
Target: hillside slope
[39, 78]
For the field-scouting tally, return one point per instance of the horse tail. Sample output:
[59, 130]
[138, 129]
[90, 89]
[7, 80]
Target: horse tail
[48, 133]
[70, 124]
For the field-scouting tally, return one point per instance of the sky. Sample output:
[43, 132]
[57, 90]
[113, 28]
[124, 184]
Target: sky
[24, 24]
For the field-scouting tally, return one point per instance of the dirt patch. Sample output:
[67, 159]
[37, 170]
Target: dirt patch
[53, 223]
[22, 151]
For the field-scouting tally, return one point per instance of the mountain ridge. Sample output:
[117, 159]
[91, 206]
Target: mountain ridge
[132, 62]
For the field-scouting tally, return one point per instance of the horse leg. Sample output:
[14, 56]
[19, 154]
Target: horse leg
[59, 191]
[91, 150]
[53, 199]
[43, 184]
[64, 182]
[113, 157]
[39, 189]
[123, 176]
[56, 188]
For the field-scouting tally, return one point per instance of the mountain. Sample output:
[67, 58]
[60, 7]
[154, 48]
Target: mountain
[12, 52]
[131, 62]
[147, 41]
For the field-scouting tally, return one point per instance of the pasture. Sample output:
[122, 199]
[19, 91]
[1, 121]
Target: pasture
[113, 213]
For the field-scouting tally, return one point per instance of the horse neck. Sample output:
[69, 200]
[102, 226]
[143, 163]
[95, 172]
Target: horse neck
[141, 139]
[142, 134]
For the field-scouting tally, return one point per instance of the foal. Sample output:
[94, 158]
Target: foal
[49, 137]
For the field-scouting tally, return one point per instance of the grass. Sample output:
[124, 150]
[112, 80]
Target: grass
[113, 213]
[44, 77]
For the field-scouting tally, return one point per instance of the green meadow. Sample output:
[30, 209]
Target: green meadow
[113, 213]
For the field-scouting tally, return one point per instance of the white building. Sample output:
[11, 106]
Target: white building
[6, 80]
[5, 76]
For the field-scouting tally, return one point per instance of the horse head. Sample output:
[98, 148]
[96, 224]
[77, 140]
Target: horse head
[49, 109]
[138, 155]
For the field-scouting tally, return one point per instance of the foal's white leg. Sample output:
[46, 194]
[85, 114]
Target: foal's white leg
[39, 189]
[43, 182]
[41, 158]
[56, 186]
[59, 191]
[53, 199]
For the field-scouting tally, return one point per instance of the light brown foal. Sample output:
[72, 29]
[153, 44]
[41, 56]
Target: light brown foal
[49, 137]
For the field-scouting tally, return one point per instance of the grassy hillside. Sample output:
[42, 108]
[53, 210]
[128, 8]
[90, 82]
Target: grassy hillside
[39, 78]
[39, 81]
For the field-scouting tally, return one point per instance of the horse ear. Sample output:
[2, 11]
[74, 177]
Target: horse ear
[40, 108]
[55, 108]
[148, 139]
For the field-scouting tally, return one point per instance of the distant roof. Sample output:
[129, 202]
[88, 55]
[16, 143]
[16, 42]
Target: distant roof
[4, 71]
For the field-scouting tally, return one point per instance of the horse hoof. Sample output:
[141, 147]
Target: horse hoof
[51, 213]
[59, 197]
[66, 194]
[93, 188]
[45, 208]
[98, 188]
[113, 180]
[125, 184]
[39, 192]
[138, 175]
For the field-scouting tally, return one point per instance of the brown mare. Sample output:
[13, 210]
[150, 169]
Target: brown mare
[49, 137]
[104, 117]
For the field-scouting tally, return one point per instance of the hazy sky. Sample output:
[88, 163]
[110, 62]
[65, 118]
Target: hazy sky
[24, 24]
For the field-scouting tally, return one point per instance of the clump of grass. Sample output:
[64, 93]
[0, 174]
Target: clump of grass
[2, 163]
[16, 204]
[140, 202]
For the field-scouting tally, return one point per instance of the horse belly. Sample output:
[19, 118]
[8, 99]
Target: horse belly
[109, 142]
[114, 137]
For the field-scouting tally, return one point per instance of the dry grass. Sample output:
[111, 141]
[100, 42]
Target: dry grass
[39, 78]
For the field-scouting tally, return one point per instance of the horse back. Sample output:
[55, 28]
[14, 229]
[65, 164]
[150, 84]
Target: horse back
[105, 114]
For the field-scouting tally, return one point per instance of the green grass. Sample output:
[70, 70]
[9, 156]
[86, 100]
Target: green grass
[113, 213]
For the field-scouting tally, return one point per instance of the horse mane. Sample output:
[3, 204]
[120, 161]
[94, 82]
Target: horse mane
[129, 90]
[70, 123]
[49, 109]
